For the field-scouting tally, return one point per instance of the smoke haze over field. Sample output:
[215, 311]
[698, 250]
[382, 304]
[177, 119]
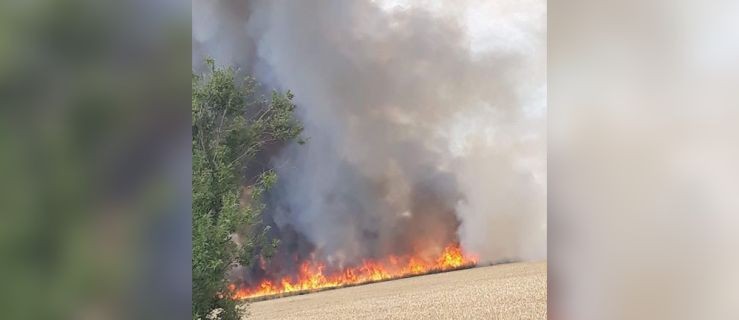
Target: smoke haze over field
[426, 122]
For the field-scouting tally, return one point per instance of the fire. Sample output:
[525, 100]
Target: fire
[312, 275]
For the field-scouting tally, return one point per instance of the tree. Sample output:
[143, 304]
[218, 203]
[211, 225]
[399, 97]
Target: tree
[231, 126]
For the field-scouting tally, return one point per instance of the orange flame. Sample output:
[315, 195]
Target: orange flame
[311, 273]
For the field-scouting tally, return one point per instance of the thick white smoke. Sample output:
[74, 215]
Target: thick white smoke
[426, 121]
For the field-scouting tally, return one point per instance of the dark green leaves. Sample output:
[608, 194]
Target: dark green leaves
[231, 127]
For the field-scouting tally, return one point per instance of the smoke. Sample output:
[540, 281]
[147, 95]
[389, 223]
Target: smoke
[426, 122]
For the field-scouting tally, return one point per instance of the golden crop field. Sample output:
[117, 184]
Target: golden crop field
[507, 291]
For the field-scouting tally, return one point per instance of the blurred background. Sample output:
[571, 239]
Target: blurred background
[94, 159]
[643, 160]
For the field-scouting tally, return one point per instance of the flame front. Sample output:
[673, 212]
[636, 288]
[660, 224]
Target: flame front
[311, 273]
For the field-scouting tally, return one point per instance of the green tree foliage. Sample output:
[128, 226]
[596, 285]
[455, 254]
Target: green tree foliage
[231, 126]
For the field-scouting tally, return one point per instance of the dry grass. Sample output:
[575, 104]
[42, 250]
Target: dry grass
[508, 291]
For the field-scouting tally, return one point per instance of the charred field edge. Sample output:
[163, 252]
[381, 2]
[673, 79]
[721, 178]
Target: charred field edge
[302, 292]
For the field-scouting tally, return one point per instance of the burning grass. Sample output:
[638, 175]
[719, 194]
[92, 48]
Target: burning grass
[311, 277]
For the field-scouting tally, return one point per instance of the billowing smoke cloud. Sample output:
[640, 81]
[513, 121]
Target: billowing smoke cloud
[426, 122]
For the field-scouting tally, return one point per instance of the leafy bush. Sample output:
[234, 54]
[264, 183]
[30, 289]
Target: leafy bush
[231, 126]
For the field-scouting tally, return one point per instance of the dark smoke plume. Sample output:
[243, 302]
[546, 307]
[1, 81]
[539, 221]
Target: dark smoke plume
[426, 121]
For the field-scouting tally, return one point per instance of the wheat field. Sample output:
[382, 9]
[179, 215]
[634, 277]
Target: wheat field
[507, 291]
